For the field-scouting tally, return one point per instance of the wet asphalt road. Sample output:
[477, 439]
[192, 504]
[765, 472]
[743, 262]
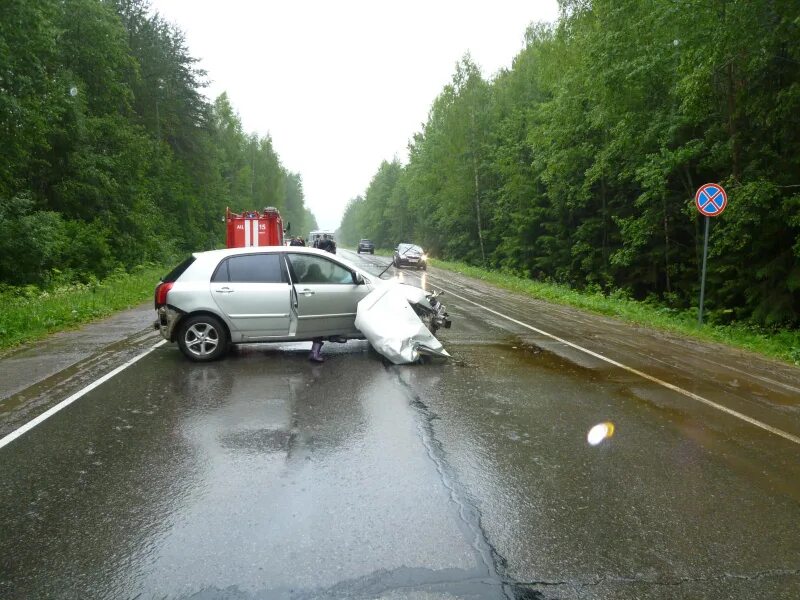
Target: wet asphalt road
[265, 476]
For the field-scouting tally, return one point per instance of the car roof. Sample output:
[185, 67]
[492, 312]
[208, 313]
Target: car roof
[223, 252]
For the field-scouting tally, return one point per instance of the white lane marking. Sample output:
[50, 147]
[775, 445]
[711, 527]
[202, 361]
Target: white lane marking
[64, 403]
[674, 388]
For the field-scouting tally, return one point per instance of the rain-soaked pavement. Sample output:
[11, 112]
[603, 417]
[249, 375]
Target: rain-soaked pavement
[266, 476]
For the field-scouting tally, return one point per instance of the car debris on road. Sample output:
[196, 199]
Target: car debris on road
[388, 320]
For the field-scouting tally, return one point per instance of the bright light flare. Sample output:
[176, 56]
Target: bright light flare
[600, 432]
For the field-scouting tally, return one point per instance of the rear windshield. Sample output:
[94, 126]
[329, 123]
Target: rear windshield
[178, 271]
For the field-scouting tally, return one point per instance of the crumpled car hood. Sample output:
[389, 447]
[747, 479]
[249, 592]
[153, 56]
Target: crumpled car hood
[386, 319]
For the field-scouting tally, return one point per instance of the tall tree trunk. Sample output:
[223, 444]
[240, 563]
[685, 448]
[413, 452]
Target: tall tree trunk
[733, 131]
[605, 221]
[478, 206]
[666, 243]
[477, 188]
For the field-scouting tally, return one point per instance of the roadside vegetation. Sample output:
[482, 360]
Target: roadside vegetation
[578, 165]
[110, 155]
[29, 312]
[783, 344]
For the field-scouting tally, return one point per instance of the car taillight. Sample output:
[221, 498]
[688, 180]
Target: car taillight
[161, 292]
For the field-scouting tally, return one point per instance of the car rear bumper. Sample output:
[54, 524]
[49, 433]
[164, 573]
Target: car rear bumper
[166, 319]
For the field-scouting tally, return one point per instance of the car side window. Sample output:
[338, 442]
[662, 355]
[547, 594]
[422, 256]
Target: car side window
[315, 269]
[250, 268]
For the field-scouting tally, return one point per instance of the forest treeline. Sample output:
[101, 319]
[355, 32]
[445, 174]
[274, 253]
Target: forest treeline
[579, 164]
[110, 156]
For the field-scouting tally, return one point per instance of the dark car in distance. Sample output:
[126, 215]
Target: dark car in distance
[410, 255]
[366, 245]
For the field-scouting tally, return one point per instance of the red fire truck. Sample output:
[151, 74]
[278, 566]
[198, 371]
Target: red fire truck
[253, 228]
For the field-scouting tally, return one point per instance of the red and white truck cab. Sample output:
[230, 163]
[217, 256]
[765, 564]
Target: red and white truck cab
[253, 228]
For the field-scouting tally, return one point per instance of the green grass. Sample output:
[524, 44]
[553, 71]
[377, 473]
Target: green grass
[783, 344]
[29, 313]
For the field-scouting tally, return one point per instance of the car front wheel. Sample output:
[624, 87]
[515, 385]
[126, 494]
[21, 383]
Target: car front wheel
[203, 338]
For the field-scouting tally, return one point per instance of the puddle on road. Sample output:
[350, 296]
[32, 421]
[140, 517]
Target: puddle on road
[513, 419]
[696, 421]
[261, 441]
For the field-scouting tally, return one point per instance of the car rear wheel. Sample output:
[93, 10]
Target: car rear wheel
[203, 338]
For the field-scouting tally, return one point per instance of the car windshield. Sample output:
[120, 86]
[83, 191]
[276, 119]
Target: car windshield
[409, 249]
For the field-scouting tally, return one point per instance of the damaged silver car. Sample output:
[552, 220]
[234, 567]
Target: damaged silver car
[277, 294]
[399, 321]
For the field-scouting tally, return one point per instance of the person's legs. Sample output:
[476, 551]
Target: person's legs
[316, 350]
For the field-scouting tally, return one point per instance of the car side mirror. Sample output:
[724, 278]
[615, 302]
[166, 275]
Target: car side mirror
[358, 279]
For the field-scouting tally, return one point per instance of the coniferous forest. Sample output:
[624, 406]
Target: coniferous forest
[579, 164]
[110, 155]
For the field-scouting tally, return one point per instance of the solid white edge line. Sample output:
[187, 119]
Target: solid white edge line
[669, 386]
[64, 403]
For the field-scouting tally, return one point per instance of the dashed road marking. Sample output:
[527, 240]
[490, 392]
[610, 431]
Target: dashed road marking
[734, 413]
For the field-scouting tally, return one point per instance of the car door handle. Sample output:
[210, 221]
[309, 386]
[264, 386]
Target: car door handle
[307, 292]
[225, 290]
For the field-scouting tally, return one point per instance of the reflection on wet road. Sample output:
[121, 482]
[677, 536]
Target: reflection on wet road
[266, 476]
[264, 473]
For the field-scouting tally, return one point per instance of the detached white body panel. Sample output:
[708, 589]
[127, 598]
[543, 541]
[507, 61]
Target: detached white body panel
[388, 321]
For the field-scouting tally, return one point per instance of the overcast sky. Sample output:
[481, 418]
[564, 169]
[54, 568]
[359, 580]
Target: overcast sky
[341, 85]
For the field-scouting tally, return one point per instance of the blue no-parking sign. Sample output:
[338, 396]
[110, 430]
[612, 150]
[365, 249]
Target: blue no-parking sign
[711, 199]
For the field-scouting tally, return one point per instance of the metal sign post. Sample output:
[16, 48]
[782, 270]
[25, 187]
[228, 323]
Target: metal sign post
[710, 201]
[703, 277]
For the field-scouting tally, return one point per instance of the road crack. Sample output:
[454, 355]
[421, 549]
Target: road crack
[469, 514]
[664, 581]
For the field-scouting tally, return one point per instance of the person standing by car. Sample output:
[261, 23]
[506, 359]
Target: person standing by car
[326, 243]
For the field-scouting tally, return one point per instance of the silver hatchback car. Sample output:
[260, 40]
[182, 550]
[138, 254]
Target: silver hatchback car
[259, 294]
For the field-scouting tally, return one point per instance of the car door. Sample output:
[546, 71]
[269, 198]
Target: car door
[326, 296]
[253, 291]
